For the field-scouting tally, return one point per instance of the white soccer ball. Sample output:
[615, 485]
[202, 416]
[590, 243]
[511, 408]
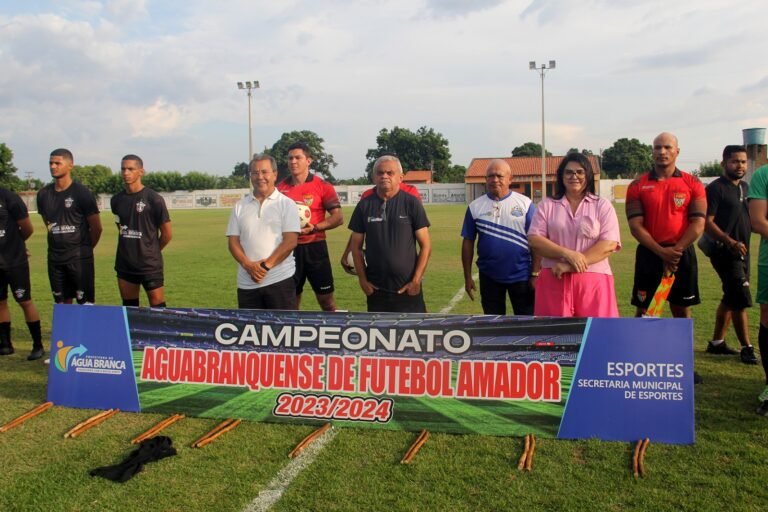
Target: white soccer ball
[305, 214]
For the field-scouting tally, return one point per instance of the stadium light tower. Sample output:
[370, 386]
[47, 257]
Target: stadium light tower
[542, 70]
[249, 86]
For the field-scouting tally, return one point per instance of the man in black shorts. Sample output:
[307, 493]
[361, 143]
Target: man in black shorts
[729, 226]
[71, 216]
[390, 223]
[144, 229]
[15, 228]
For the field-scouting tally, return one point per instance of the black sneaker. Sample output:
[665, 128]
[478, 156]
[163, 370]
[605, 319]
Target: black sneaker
[748, 355]
[36, 354]
[721, 349]
[6, 350]
[697, 379]
[763, 409]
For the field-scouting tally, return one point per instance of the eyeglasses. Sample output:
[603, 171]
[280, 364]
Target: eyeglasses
[265, 172]
[570, 173]
[494, 176]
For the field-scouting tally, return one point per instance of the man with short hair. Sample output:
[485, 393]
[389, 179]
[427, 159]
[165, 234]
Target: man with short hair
[262, 233]
[15, 229]
[728, 225]
[758, 214]
[71, 216]
[666, 208]
[144, 229]
[391, 224]
[500, 220]
[312, 260]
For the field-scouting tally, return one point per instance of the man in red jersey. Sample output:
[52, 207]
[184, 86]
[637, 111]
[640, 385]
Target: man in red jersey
[666, 210]
[312, 260]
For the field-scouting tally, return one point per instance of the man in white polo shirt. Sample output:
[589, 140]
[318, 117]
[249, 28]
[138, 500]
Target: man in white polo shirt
[263, 231]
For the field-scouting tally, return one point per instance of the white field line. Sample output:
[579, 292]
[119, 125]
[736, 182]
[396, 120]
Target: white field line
[275, 489]
[457, 298]
[285, 476]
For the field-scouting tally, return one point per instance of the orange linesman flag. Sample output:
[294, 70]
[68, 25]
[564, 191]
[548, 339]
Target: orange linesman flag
[660, 296]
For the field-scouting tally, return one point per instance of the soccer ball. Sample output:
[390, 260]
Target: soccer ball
[304, 214]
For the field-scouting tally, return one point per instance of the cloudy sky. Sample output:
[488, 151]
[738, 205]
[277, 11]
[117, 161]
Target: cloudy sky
[158, 78]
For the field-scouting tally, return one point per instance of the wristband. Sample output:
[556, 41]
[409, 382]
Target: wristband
[264, 266]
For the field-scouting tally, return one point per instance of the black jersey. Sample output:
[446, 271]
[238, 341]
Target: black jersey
[139, 217]
[727, 203]
[390, 240]
[66, 217]
[13, 251]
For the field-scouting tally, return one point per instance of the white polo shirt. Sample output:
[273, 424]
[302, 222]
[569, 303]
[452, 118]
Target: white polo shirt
[260, 228]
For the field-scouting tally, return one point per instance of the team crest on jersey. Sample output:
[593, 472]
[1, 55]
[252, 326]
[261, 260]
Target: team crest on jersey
[517, 211]
[641, 295]
[19, 292]
[140, 206]
[679, 199]
[68, 202]
[308, 199]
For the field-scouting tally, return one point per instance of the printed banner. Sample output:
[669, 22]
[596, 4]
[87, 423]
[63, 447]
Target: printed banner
[613, 379]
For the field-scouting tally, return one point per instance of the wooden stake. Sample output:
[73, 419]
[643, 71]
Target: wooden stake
[91, 422]
[524, 456]
[415, 447]
[641, 461]
[221, 428]
[309, 440]
[157, 428]
[27, 415]
[529, 458]
[635, 459]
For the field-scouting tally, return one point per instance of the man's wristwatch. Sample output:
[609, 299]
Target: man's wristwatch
[264, 266]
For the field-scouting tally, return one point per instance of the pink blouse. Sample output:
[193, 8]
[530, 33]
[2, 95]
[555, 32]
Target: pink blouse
[595, 220]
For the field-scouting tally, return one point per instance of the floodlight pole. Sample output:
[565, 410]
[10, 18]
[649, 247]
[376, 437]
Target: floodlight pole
[249, 86]
[542, 70]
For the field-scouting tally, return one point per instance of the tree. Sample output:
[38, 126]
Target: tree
[96, 177]
[454, 174]
[712, 168]
[529, 149]
[627, 158]
[322, 162]
[240, 170]
[195, 180]
[8, 176]
[585, 152]
[424, 149]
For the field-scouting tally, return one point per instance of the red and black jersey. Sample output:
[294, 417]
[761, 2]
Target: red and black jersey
[666, 205]
[318, 195]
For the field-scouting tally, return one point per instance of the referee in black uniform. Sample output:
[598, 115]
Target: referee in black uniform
[144, 229]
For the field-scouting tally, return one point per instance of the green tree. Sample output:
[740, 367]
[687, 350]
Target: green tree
[627, 158]
[195, 180]
[585, 152]
[8, 178]
[529, 149]
[712, 168]
[240, 170]
[95, 177]
[164, 181]
[454, 174]
[322, 162]
[362, 180]
[423, 149]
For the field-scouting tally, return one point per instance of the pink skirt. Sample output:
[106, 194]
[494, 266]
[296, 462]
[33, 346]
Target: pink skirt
[585, 294]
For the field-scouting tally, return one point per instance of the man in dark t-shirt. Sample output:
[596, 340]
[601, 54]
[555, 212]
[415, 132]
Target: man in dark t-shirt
[15, 228]
[144, 229]
[729, 226]
[391, 223]
[71, 216]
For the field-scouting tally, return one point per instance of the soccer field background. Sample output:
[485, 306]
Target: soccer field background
[359, 469]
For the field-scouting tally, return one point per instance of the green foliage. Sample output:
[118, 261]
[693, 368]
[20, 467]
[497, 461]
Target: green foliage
[585, 152]
[195, 180]
[454, 174]
[529, 149]
[164, 181]
[712, 168]
[8, 178]
[322, 162]
[362, 180]
[240, 170]
[423, 149]
[98, 178]
[627, 158]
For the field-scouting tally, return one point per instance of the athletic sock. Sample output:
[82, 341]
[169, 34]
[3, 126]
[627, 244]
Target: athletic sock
[715, 343]
[762, 343]
[131, 302]
[158, 305]
[5, 334]
[34, 331]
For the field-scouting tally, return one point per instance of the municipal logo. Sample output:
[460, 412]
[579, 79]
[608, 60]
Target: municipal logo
[68, 202]
[65, 354]
[78, 360]
[140, 206]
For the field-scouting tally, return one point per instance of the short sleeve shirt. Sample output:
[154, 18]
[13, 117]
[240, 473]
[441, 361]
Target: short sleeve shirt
[390, 241]
[13, 251]
[138, 217]
[318, 195]
[727, 203]
[664, 204]
[66, 215]
[594, 221]
[260, 227]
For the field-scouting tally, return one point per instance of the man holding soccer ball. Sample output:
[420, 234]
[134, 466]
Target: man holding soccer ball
[312, 260]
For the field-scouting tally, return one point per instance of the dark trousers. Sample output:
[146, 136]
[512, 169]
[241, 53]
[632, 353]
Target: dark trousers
[388, 302]
[493, 297]
[281, 295]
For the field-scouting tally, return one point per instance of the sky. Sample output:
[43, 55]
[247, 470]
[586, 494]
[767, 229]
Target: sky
[159, 78]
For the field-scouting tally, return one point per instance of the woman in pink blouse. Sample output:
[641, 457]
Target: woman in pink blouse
[575, 231]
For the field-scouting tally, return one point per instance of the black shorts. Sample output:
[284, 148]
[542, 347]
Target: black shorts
[313, 263]
[649, 269]
[280, 295]
[493, 296]
[734, 274]
[18, 279]
[148, 281]
[73, 280]
[381, 301]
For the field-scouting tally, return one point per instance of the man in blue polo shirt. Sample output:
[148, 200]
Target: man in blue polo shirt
[500, 221]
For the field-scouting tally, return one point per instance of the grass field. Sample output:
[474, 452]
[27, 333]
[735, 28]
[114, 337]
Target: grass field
[359, 469]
